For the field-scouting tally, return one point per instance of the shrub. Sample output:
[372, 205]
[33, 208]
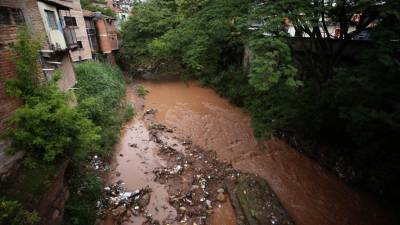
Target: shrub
[129, 112]
[141, 90]
[46, 126]
[101, 88]
[12, 213]
[81, 206]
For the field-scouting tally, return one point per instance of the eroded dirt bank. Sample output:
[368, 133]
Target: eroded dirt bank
[310, 195]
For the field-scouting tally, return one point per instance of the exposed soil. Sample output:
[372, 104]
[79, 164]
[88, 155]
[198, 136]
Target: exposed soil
[310, 194]
[198, 155]
[188, 184]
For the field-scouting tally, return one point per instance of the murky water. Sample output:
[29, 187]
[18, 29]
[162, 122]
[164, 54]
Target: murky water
[135, 159]
[310, 194]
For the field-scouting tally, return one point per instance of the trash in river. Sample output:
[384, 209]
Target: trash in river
[133, 145]
[117, 201]
[151, 111]
[97, 163]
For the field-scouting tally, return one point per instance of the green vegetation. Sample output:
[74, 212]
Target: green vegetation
[141, 90]
[309, 89]
[49, 130]
[89, 5]
[46, 127]
[56, 135]
[100, 93]
[129, 112]
[85, 190]
[12, 213]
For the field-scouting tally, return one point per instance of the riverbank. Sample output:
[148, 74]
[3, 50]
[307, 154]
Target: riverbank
[309, 193]
[188, 184]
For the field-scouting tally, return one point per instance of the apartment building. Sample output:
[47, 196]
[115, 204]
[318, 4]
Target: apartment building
[102, 33]
[74, 20]
[44, 20]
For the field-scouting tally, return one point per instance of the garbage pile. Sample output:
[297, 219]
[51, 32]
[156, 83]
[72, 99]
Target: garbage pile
[97, 163]
[195, 178]
[117, 201]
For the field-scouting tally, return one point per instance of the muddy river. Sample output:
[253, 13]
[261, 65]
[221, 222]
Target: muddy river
[311, 195]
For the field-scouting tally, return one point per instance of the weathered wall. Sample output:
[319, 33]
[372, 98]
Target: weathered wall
[54, 36]
[7, 104]
[107, 35]
[8, 35]
[51, 205]
[69, 79]
[85, 52]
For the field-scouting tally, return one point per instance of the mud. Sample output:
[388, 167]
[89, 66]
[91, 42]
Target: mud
[188, 183]
[194, 120]
[198, 183]
[311, 195]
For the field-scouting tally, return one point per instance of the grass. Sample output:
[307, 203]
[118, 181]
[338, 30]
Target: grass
[141, 91]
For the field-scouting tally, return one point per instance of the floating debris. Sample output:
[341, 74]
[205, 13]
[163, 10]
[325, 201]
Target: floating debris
[117, 201]
[97, 163]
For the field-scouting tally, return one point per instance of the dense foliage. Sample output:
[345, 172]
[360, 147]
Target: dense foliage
[12, 213]
[323, 90]
[46, 127]
[100, 91]
[81, 207]
[91, 6]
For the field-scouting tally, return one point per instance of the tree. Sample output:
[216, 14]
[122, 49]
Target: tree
[312, 19]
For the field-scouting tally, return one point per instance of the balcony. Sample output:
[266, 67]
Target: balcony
[70, 37]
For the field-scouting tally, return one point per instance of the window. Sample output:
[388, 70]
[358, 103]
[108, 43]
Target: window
[5, 15]
[70, 21]
[51, 19]
[17, 15]
[79, 44]
[10, 16]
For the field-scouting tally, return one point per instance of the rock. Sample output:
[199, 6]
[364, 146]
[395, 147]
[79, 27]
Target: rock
[144, 200]
[56, 214]
[182, 209]
[119, 211]
[221, 197]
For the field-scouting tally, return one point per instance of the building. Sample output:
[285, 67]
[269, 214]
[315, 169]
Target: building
[122, 9]
[104, 29]
[91, 32]
[73, 19]
[43, 18]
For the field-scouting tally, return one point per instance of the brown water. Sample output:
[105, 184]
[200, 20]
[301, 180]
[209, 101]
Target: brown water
[310, 194]
[134, 165]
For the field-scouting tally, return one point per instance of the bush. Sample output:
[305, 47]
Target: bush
[141, 90]
[46, 126]
[12, 213]
[129, 112]
[81, 207]
[100, 90]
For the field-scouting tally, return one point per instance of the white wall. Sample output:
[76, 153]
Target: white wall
[55, 37]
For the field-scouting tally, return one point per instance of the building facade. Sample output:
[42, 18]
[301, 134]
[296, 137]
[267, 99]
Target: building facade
[102, 33]
[43, 19]
[73, 19]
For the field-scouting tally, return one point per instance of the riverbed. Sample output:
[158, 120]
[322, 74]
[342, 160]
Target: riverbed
[311, 195]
